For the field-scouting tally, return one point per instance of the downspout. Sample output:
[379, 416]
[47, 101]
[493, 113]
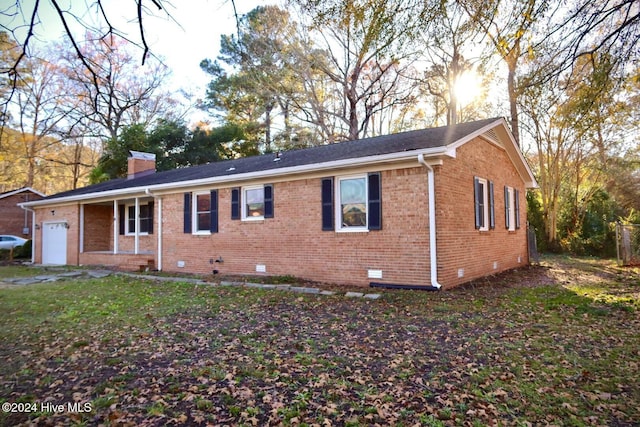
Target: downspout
[33, 232]
[116, 226]
[159, 228]
[432, 222]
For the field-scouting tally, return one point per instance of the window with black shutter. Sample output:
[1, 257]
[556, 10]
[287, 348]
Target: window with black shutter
[516, 199]
[327, 204]
[254, 202]
[375, 201]
[213, 211]
[511, 208]
[235, 203]
[352, 203]
[268, 201]
[121, 220]
[484, 206]
[187, 213]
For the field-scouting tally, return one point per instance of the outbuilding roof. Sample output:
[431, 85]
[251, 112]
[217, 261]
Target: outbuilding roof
[306, 159]
[21, 190]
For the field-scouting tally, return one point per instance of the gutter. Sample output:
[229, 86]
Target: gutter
[245, 176]
[432, 222]
[33, 232]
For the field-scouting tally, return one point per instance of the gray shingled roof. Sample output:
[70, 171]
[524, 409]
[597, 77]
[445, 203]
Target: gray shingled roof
[395, 143]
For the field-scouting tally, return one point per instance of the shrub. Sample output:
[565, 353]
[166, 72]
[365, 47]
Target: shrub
[23, 251]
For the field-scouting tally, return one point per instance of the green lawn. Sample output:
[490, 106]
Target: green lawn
[554, 344]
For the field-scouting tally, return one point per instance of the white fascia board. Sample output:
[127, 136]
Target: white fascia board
[123, 193]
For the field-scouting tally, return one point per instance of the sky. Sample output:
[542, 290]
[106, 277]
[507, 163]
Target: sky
[182, 41]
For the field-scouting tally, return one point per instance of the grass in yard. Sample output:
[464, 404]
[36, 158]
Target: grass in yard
[9, 271]
[555, 344]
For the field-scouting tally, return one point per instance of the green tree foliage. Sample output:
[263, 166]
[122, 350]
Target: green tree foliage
[113, 163]
[174, 145]
[594, 234]
[253, 79]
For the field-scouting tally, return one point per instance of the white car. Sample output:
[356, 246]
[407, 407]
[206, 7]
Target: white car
[8, 241]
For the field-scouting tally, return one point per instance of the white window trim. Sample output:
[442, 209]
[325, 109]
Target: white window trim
[338, 205]
[485, 204]
[243, 202]
[512, 209]
[194, 213]
[128, 232]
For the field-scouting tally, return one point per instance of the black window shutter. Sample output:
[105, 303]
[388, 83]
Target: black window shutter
[121, 219]
[516, 195]
[506, 208]
[235, 203]
[151, 205]
[375, 201]
[327, 204]
[492, 216]
[213, 224]
[268, 201]
[187, 212]
[477, 202]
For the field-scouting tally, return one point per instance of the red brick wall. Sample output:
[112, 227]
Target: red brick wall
[12, 216]
[98, 228]
[294, 243]
[130, 262]
[460, 245]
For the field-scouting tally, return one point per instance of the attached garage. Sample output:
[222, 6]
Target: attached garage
[54, 243]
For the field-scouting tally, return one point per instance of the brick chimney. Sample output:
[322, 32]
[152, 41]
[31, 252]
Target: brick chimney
[140, 164]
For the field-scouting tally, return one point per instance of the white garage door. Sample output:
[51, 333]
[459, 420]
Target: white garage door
[54, 243]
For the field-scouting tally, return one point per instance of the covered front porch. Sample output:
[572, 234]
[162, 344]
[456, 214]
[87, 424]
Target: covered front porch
[119, 233]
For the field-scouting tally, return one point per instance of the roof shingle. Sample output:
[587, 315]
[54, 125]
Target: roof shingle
[387, 144]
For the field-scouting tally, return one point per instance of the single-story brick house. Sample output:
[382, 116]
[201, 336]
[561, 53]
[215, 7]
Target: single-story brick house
[434, 207]
[13, 219]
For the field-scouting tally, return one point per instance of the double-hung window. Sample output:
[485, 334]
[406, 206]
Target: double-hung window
[511, 208]
[145, 219]
[351, 209]
[253, 207]
[202, 212]
[483, 200]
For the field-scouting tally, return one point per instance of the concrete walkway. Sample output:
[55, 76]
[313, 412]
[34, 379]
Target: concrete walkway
[98, 274]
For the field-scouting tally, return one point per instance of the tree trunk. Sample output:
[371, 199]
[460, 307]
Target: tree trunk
[267, 127]
[513, 97]
[352, 98]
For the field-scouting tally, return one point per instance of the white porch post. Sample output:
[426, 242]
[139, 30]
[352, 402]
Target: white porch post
[33, 237]
[81, 228]
[116, 226]
[159, 216]
[136, 249]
